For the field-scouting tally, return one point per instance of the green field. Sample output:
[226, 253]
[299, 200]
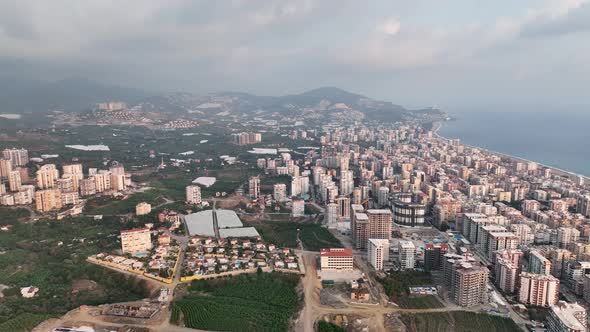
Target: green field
[457, 321]
[259, 302]
[419, 302]
[283, 232]
[13, 215]
[114, 206]
[397, 284]
[51, 256]
[324, 326]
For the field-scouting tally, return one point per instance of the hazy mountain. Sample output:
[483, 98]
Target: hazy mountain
[72, 94]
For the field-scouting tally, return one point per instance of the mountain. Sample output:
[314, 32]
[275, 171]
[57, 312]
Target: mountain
[72, 94]
[323, 102]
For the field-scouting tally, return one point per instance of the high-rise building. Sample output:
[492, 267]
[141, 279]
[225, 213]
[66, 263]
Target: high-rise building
[343, 203]
[135, 241]
[567, 317]
[336, 259]
[538, 289]
[468, 282]
[408, 214]
[298, 207]
[46, 176]
[254, 187]
[383, 196]
[331, 214]
[280, 192]
[14, 180]
[87, 187]
[5, 168]
[539, 264]
[18, 157]
[567, 236]
[47, 200]
[346, 182]
[434, 255]
[506, 275]
[360, 230]
[72, 169]
[407, 255]
[102, 181]
[380, 223]
[193, 194]
[378, 252]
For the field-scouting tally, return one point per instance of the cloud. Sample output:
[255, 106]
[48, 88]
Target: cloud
[389, 27]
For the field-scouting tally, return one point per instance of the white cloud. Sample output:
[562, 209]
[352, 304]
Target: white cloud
[390, 27]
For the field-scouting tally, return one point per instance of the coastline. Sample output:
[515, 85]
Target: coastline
[437, 125]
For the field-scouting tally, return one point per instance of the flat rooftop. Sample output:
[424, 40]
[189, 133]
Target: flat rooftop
[239, 232]
[200, 223]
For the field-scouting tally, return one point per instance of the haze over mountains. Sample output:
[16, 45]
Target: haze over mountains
[78, 94]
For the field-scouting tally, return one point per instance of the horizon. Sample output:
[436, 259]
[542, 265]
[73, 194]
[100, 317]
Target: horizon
[456, 55]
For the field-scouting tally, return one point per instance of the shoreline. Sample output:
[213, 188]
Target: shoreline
[437, 125]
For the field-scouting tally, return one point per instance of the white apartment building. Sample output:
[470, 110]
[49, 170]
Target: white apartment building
[378, 252]
[137, 240]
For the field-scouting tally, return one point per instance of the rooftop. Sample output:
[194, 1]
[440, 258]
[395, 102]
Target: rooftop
[567, 314]
[336, 252]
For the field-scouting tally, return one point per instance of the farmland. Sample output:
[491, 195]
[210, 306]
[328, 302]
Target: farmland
[459, 321]
[51, 256]
[261, 302]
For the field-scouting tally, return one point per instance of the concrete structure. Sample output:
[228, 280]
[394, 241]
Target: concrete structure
[298, 207]
[280, 192]
[336, 259]
[434, 256]
[46, 176]
[567, 317]
[378, 252]
[48, 200]
[17, 157]
[254, 187]
[136, 240]
[408, 214]
[143, 208]
[193, 194]
[407, 255]
[539, 264]
[360, 230]
[538, 289]
[506, 275]
[331, 214]
[466, 279]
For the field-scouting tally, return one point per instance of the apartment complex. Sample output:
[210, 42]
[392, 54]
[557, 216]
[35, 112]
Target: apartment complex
[136, 240]
[407, 255]
[193, 194]
[378, 252]
[538, 289]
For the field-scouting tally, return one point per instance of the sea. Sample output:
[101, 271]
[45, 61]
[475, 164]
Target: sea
[558, 139]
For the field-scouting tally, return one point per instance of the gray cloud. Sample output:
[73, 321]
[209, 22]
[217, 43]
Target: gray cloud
[388, 49]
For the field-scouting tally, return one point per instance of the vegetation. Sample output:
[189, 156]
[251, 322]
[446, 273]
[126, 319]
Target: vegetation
[13, 215]
[51, 256]
[419, 302]
[23, 322]
[459, 321]
[397, 286]
[283, 232]
[324, 326]
[114, 206]
[254, 302]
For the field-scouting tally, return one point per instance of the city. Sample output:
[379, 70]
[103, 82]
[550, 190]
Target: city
[389, 226]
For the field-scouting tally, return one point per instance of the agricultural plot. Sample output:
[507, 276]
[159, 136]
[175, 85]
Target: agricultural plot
[261, 302]
[457, 321]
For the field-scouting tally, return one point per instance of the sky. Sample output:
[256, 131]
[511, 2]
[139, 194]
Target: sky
[444, 53]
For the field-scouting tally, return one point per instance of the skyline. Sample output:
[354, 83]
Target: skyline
[452, 55]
